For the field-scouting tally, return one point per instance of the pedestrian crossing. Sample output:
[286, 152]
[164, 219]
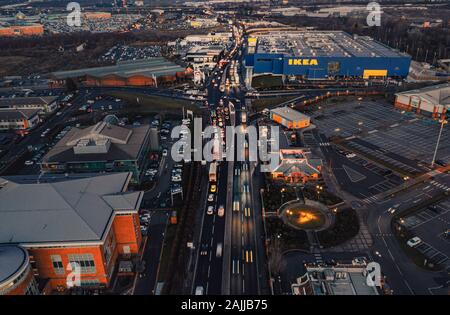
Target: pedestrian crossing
[324, 144]
[440, 185]
[371, 199]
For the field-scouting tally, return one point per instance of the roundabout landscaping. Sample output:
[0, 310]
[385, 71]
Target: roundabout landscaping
[308, 216]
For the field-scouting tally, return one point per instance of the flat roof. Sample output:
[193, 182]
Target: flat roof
[289, 113]
[157, 66]
[436, 94]
[12, 259]
[322, 44]
[74, 210]
[126, 143]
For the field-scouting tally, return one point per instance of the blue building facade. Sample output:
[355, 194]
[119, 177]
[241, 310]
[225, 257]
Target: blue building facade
[326, 67]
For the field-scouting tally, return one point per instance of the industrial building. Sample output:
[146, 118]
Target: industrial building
[432, 101]
[47, 227]
[21, 120]
[290, 118]
[147, 72]
[317, 55]
[100, 148]
[46, 104]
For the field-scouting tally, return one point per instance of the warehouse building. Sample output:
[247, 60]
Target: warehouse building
[100, 148]
[317, 55]
[147, 72]
[432, 101]
[290, 118]
[46, 104]
[50, 226]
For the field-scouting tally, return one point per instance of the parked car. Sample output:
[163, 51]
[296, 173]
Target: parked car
[413, 242]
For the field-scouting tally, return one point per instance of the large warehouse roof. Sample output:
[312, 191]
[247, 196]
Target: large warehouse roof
[322, 44]
[148, 67]
[436, 94]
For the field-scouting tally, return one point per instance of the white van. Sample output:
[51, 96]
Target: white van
[219, 250]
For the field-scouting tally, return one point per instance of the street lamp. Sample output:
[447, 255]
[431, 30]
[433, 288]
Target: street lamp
[443, 122]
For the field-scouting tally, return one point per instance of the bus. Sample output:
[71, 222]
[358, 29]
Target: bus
[213, 172]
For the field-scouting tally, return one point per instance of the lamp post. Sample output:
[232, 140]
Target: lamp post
[443, 122]
[318, 189]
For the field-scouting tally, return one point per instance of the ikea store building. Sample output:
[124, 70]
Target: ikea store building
[322, 55]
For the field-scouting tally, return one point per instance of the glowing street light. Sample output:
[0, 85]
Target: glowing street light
[443, 122]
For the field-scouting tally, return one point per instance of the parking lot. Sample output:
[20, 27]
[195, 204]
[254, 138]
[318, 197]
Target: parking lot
[430, 225]
[125, 52]
[402, 140]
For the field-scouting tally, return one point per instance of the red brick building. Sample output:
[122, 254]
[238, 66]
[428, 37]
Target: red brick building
[91, 222]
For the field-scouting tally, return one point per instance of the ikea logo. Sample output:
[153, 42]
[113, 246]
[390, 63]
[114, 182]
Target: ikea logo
[303, 62]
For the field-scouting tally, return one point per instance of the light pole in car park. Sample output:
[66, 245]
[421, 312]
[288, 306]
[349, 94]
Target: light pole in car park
[443, 122]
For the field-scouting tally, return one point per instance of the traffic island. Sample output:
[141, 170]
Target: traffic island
[310, 215]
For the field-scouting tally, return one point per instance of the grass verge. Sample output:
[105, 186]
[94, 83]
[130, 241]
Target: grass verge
[146, 104]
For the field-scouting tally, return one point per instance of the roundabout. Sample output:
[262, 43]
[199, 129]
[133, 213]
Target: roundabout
[310, 215]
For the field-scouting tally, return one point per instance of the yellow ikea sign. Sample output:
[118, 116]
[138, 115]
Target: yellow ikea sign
[303, 62]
